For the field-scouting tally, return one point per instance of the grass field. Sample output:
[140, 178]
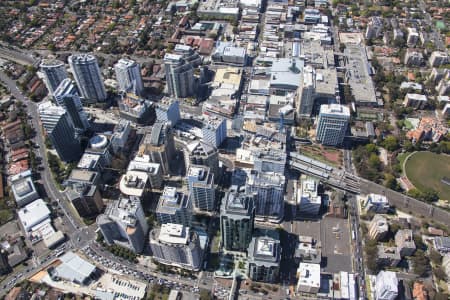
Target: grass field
[426, 169]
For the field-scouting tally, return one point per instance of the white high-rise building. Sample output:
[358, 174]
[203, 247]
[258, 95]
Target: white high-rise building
[201, 187]
[308, 198]
[413, 37]
[128, 75]
[88, 77]
[123, 223]
[332, 124]
[269, 189]
[176, 245]
[386, 287]
[54, 72]
[179, 76]
[214, 131]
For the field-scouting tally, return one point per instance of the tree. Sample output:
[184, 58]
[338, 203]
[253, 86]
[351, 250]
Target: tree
[435, 257]
[391, 143]
[440, 273]
[391, 182]
[421, 264]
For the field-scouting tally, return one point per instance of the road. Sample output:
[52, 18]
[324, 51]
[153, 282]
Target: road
[79, 234]
[357, 238]
[76, 231]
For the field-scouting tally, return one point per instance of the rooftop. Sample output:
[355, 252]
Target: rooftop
[309, 274]
[133, 183]
[335, 109]
[74, 268]
[174, 234]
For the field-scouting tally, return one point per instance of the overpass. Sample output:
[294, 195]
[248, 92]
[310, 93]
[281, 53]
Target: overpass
[331, 176]
[350, 183]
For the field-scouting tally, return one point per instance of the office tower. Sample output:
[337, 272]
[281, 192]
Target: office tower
[120, 135]
[269, 160]
[201, 187]
[135, 184]
[153, 170]
[123, 223]
[378, 228]
[88, 77]
[23, 188]
[307, 91]
[308, 199]
[128, 75]
[168, 110]
[174, 207]
[264, 255]
[214, 131]
[54, 73]
[159, 145]
[176, 245]
[269, 189]
[332, 124]
[4, 265]
[66, 95]
[237, 216]
[60, 131]
[179, 76]
[86, 199]
[386, 287]
[200, 153]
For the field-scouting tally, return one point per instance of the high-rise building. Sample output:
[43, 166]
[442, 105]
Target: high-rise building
[128, 75]
[308, 198]
[174, 207]
[307, 91]
[168, 110]
[86, 199]
[60, 131]
[237, 216]
[153, 170]
[264, 254]
[269, 189]
[179, 76]
[438, 58]
[176, 245]
[88, 77]
[413, 37]
[159, 145]
[386, 287]
[214, 131]
[123, 223]
[54, 73]
[374, 28]
[66, 95]
[200, 153]
[332, 124]
[201, 187]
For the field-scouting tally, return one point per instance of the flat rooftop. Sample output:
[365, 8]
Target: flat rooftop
[309, 275]
[174, 234]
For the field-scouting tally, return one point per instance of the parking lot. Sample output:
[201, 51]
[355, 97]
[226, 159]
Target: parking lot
[335, 238]
[334, 235]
